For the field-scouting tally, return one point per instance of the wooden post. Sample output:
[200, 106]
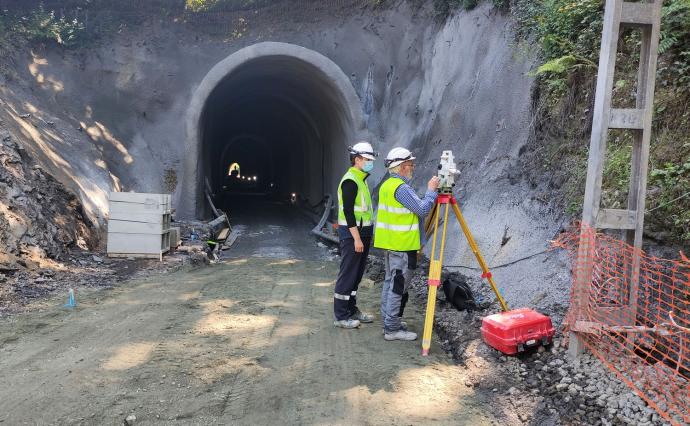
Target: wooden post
[618, 14]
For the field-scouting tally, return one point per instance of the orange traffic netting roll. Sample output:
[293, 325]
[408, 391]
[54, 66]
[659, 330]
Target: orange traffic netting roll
[632, 311]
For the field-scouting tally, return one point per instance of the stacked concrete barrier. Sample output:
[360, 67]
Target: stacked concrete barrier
[139, 225]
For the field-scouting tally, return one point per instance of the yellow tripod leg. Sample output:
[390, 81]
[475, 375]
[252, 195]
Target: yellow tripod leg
[430, 221]
[434, 279]
[473, 245]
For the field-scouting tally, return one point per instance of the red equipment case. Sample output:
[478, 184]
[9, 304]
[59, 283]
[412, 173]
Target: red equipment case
[514, 331]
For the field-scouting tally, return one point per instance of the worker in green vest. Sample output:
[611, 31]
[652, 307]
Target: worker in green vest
[355, 229]
[400, 232]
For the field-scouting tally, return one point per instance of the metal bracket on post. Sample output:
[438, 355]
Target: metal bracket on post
[618, 14]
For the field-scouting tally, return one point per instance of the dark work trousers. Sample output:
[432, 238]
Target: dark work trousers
[352, 265]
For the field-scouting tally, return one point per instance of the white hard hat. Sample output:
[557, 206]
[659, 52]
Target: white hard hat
[363, 149]
[397, 156]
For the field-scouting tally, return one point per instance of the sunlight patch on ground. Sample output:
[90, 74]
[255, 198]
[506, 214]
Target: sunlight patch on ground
[419, 393]
[292, 330]
[285, 262]
[189, 296]
[324, 284]
[220, 368]
[220, 323]
[130, 356]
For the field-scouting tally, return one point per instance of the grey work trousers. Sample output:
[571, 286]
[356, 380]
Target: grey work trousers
[399, 266]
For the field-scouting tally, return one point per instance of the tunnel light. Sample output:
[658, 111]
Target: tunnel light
[254, 177]
[294, 195]
[271, 184]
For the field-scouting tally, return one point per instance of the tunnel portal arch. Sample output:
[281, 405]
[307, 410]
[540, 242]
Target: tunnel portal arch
[296, 99]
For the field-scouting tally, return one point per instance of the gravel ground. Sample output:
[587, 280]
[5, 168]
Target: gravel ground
[27, 289]
[542, 386]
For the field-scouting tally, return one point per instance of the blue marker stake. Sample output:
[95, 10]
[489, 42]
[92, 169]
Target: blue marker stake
[71, 301]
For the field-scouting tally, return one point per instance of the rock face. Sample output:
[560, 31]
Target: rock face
[119, 112]
[39, 218]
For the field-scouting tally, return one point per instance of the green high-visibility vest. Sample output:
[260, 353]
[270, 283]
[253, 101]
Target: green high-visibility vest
[397, 228]
[363, 205]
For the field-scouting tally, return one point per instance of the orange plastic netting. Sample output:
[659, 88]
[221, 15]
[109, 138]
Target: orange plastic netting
[637, 323]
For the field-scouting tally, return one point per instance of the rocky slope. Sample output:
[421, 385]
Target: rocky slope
[39, 218]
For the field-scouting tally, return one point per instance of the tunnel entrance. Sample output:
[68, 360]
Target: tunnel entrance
[283, 113]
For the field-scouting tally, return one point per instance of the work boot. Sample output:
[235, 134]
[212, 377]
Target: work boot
[362, 317]
[348, 323]
[400, 335]
[403, 326]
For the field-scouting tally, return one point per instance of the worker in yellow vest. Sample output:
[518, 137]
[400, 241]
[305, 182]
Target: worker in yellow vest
[400, 232]
[355, 229]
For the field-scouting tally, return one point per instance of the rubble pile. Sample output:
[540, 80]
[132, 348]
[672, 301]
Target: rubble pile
[39, 218]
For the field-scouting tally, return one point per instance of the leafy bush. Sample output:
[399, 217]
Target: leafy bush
[445, 7]
[43, 25]
[568, 33]
[211, 5]
[469, 4]
[674, 46]
[671, 182]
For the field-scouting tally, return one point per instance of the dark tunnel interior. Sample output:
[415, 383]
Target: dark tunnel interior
[283, 123]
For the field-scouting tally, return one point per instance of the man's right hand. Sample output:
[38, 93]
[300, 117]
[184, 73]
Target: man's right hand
[359, 245]
[434, 183]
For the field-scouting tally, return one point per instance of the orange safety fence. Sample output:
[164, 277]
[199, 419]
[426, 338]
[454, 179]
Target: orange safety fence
[632, 311]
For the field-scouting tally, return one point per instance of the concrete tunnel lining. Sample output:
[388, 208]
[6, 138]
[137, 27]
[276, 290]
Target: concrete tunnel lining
[297, 91]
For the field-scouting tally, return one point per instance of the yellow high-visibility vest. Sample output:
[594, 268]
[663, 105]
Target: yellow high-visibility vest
[397, 228]
[363, 206]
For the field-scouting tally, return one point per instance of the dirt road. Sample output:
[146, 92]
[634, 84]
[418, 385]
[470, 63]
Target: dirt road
[247, 342]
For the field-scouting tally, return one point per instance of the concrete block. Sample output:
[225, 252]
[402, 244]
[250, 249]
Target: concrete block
[175, 240]
[135, 202]
[140, 198]
[139, 217]
[131, 227]
[120, 244]
[118, 207]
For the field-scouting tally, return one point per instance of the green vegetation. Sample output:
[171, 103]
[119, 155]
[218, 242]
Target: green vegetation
[444, 7]
[215, 5]
[43, 25]
[569, 33]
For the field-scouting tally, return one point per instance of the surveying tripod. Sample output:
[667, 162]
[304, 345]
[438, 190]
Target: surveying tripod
[446, 200]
